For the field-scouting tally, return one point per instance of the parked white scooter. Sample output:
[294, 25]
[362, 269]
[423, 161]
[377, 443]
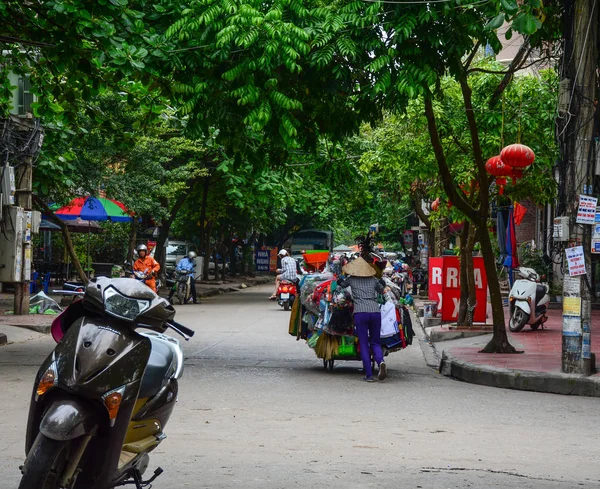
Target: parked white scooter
[528, 301]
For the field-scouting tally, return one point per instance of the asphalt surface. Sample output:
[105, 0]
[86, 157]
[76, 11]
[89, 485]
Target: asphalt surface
[257, 410]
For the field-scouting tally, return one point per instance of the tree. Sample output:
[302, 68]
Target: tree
[402, 154]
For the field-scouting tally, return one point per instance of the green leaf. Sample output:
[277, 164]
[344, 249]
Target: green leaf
[495, 23]
[509, 6]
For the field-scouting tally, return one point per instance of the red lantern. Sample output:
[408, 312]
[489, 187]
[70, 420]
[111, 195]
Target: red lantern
[517, 156]
[515, 173]
[496, 167]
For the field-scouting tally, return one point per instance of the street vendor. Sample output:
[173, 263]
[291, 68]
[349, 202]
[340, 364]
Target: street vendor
[367, 316]
[288, 272]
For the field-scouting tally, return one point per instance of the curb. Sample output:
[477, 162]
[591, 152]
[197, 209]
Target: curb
[553, 383]
[427, 347]
[38, 328]
[234, 287]
[436, 336]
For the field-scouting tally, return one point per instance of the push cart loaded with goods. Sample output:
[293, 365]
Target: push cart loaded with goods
[323, 317]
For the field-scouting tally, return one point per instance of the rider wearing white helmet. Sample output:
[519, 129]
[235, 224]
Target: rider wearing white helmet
[288, 271]
[187, 264]
[148, 265]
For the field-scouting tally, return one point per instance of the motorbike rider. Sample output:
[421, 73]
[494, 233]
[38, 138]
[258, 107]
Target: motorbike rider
[148, 265]
[187, 264]
[287, 272]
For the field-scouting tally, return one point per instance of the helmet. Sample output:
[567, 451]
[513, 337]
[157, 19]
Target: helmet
[142, 247]
[283, 253]
[192, 255]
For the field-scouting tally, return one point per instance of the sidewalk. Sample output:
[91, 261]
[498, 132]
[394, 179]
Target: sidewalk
[41, 323]
[537, 369]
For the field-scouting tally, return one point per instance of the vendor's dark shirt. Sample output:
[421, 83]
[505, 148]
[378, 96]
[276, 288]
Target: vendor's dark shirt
[364, 292]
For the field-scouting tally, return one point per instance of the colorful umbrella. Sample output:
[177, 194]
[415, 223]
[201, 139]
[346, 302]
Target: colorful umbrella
[94, 209]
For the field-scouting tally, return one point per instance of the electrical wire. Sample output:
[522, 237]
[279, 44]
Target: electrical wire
[587, 33]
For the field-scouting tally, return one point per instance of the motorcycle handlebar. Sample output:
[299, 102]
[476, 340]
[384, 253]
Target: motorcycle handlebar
[179, 328]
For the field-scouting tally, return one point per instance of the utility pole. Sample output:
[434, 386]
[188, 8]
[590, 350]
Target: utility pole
[24, 200]
[581, 56]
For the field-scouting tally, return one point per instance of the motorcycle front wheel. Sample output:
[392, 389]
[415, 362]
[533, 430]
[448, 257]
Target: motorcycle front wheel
[45, 463]
[517, 320]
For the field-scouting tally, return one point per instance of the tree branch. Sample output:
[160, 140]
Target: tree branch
[472, 55]
[447, 181]
[476, 144]
[417, 203]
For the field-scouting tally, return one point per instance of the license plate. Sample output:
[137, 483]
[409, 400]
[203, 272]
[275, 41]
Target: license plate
[284, 297]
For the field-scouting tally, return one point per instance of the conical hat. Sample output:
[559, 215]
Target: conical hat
[359, 268]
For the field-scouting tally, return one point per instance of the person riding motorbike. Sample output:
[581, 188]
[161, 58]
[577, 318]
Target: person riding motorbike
[287, 272]
[148, 265]
[186, 264]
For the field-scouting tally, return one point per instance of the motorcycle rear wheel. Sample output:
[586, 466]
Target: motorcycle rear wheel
[517, 320]
[45, 463]
[181, 293]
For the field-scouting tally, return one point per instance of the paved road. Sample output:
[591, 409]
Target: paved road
[257, 410]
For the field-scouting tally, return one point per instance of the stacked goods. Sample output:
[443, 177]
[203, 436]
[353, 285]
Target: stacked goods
[323, 317]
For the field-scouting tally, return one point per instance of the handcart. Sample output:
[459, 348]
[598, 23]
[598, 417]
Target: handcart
[329, 364]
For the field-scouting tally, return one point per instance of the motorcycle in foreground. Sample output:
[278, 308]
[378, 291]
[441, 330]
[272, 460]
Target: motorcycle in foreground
[286, 294]
[528, 301]
[102, 398]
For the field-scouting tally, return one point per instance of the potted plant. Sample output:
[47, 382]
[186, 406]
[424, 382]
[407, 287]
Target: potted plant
[556, 290]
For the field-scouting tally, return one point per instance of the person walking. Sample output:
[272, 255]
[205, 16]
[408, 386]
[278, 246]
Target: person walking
[367, 316]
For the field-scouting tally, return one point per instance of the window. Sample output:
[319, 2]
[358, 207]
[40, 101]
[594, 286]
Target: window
[25, 96]
[176, 250]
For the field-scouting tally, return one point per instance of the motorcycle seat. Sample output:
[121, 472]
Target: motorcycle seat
[157, 369]
[540, 292]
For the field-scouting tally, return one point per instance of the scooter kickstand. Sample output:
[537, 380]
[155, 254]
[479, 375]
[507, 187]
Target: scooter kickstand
[142, 484]
[148, 483]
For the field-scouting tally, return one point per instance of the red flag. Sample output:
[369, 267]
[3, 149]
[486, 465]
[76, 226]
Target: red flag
[520, 211]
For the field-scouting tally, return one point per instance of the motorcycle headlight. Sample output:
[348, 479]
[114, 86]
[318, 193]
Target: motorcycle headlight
[118, 305]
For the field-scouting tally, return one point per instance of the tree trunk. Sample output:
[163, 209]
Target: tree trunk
[468, 296]
[472, 286]
[207, 250]
[204, 237]
[464, 282]
[132, 239]
[499, 342]
[66, 238]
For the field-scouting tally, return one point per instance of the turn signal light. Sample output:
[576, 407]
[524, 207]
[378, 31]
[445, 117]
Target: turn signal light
[47, 381]
[112, 402]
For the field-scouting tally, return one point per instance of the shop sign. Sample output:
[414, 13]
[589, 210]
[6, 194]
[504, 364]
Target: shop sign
[263, 260]
[596, 233]
[444, 287]
[576, 261]
[586, 212]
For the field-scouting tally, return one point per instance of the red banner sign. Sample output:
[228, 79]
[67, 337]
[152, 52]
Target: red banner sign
[444, 287]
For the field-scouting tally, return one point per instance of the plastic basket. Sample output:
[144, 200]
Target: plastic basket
[316, 260]
[347, 347]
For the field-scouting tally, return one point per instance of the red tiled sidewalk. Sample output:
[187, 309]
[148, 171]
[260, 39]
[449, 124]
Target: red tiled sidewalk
[542, 348]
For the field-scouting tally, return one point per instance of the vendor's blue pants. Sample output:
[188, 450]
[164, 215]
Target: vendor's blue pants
[368, 330]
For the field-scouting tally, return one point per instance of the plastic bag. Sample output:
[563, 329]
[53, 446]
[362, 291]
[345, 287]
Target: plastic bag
[389, 324]
[40, 303]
